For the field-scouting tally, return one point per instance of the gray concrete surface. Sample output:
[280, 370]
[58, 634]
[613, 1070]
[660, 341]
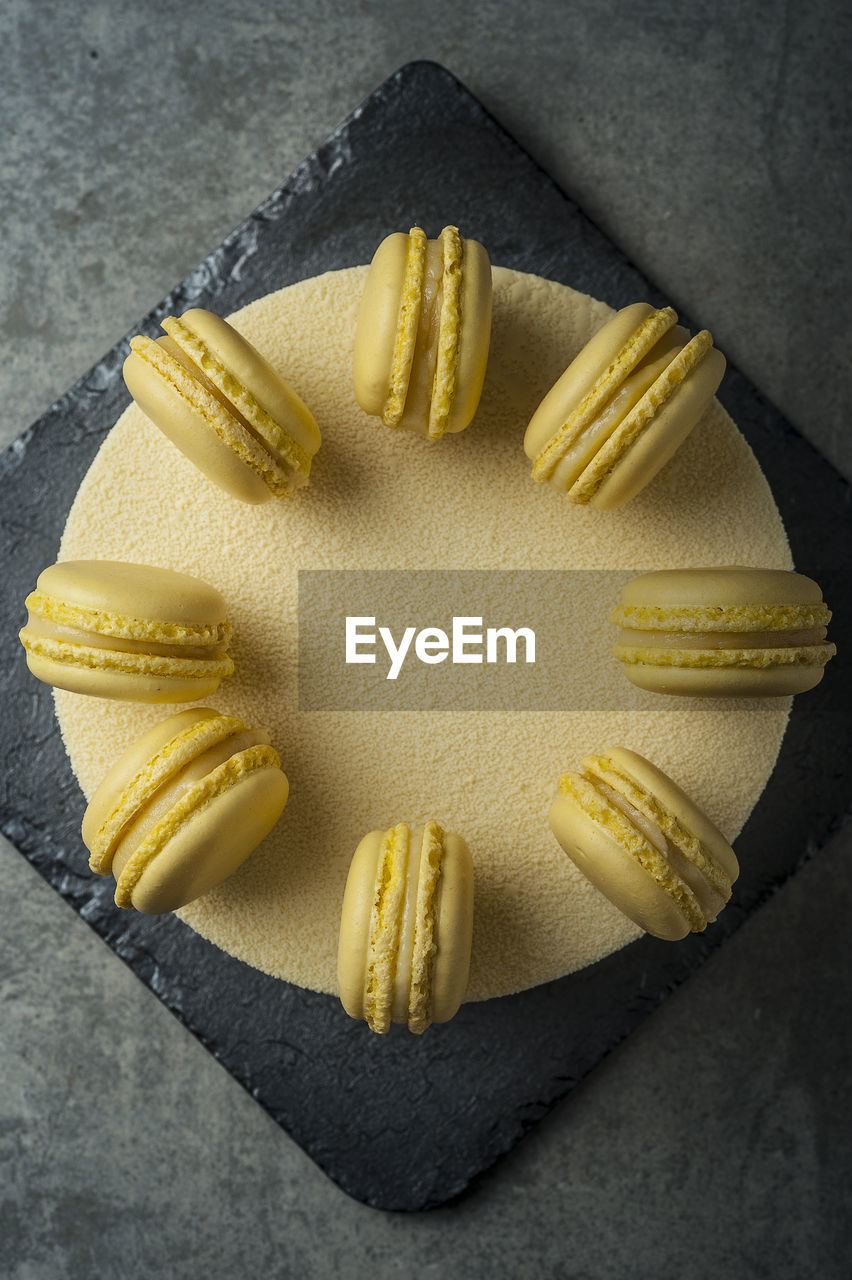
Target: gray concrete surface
[711, 143]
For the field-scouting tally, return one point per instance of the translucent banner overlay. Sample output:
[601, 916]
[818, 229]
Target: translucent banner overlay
[463, 640]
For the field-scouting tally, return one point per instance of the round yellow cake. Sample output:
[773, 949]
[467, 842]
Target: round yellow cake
[384, 500]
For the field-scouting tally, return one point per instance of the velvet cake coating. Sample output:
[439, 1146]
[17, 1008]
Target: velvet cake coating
[379, 499]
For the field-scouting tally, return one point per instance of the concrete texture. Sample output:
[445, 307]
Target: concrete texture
[711, 145]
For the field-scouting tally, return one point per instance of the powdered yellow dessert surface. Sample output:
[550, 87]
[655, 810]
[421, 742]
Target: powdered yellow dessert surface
[380, 499]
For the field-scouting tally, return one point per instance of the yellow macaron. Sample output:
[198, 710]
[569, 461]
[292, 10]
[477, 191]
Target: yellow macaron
[623, 407]
[406, 927]
[724, 632]
[424, 328]
[128, 631]
[183, 808]
[643, 843]
[216, 397]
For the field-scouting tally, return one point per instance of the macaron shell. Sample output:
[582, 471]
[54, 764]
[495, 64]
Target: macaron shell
[257, 375]
[454, 929]
[169, 684]
[662, 437]
[725, 682]
[722, 585]
[474, 335]
[378, 318]
[615, 872]
[136, 762]
[354, 939]
[669, 794]
[137, 590]
[581, 375]
[212, 843]
[190, 431]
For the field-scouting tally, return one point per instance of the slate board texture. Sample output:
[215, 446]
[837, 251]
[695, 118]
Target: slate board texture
[400, 1122]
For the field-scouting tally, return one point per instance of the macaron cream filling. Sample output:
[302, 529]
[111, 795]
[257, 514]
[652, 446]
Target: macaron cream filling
[191, 800]
[175, 650]
[722, 639]
[121, 800]
[51, 615]
[711, 894]
[155, 809]
[424, 364]
[449, 329]
[677, 860]
[413, 978]
[641, 415]
[227, 406]
[580, 450]
[423, 368]
[759, 635]
[688, 855]
[292, 448]
[385, 920]
[640, 343]
[40, 627]
[401, 946]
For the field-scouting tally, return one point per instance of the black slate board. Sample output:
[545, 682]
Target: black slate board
[403, 1122]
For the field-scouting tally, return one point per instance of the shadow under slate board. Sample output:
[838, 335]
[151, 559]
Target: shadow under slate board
[403, 1122]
